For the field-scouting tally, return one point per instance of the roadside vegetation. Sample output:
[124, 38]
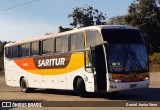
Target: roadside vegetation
[154, 61]
[1, 54]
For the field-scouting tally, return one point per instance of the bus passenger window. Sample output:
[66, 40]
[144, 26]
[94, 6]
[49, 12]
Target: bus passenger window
[65, 44]
[48, 46]
[35, 48]
[15, 51]
[8, 52]
[80, 41]
[58, 45]
[25, 50]
[73, 43]
[93, 38]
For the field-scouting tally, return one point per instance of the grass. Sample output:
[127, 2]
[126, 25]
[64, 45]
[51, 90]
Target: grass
[154, 67]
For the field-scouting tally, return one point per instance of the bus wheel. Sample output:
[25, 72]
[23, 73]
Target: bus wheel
[81, 88]
[24, 87]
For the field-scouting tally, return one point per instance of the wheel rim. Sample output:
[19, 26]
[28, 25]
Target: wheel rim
[23, 85]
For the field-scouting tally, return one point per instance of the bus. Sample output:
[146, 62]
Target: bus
[104, 58]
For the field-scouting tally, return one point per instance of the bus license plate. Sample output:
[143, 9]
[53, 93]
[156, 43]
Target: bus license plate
[133, 85]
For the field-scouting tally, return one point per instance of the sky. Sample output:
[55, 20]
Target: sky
[45, 16]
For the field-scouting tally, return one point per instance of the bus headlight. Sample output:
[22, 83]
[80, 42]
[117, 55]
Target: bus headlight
[116, 80]
[146, 78]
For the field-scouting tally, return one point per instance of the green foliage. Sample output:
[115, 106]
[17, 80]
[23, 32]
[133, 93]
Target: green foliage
[1, 54]
[145, 14]
[86, 16]
[1, 64]
[155, 58]
[48, 33]
[119, 20]
[61, 29]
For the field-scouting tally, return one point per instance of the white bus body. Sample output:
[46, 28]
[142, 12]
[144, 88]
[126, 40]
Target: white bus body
[89, 59]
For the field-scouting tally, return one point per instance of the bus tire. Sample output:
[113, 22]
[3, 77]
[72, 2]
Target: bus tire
[24, 87]
[81, 88]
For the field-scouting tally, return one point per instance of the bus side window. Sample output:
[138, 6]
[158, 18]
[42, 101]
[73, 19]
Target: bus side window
[65, 44]
[80, 41]
[25, 50]
[47, 46]
[73, 42]
[8, 52]
[35, 48]
[93, 38]
[58, 45]
[15, 52]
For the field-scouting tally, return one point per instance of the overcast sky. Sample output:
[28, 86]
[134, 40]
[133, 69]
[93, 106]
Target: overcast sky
[45, 16]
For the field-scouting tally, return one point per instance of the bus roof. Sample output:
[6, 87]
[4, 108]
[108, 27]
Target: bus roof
[98, 27]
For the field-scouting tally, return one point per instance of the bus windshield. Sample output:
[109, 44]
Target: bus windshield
[124, 58]
[126, 50]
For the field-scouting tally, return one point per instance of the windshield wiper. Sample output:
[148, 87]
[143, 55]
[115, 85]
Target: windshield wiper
[137, 61]
[133, 58]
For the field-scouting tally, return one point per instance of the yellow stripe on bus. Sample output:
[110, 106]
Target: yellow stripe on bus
[85, 39]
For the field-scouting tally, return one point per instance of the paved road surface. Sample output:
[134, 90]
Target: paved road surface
[150, 94]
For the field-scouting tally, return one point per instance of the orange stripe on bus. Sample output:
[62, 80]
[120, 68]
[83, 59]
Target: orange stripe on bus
[26, 63]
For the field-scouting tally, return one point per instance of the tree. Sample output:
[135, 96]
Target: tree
[48, 33]
[2, 44]
[86, 16]
[145, 14]
[61, 29]
[118, 20]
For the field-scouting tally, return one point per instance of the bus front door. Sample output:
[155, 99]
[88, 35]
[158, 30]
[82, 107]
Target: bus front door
[100, 68]
[96, 65]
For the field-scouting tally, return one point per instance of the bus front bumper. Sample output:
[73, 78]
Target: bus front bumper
[127, 85]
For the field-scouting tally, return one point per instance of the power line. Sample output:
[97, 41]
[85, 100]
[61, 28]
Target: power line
[19, 5]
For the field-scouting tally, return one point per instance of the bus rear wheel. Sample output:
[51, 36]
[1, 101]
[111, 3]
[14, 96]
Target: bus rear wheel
[81, 88]
[24, 87]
